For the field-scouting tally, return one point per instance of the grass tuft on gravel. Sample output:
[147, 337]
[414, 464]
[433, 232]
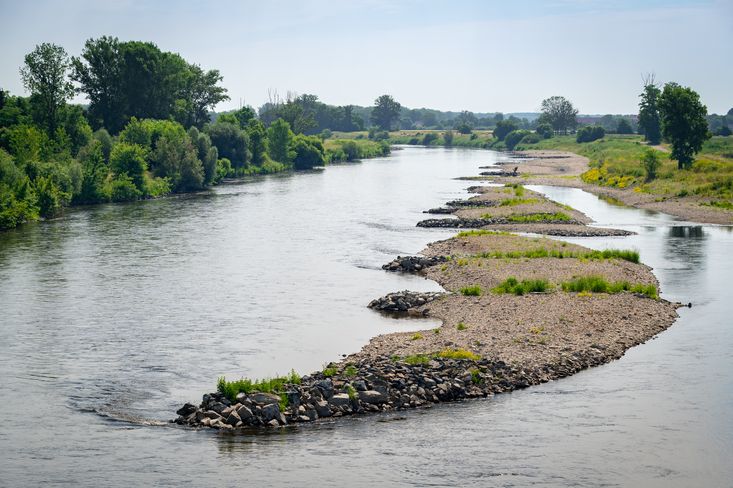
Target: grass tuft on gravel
[230, 389]
[513, 286]
[598, 284]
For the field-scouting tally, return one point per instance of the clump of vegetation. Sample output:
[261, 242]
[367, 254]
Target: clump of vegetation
[231, 389]
[540, 217]
[590, 133]
[415, 360]
[461, 326]
[329, 371]
[513, 286]
[598, 284]
[518, 189]
[416, 336]
[481, 232]
[458, 354]
[351, 391]
[476, 378]
[471, 291]
[651, 164]
[541, 252]
[512, 202]
[350, 371]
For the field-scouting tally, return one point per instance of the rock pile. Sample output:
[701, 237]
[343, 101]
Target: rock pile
[402, 301]
[376, 385]
[478, 223]
[413, 264]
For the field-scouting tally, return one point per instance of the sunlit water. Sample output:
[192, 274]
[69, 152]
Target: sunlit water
[115, 315]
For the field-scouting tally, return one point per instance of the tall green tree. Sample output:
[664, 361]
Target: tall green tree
[683, 122]
[279, 137]
[257, 141]
[99, 72]
[386, 112]
[44, 76]
[649, 118]
[559, 113]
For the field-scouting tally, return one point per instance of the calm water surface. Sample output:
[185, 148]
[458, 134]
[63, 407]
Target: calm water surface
[115, 315]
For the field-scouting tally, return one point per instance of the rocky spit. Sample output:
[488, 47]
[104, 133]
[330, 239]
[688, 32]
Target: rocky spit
[412, 264]
[379, 384]
[478, 223]
[402, 301]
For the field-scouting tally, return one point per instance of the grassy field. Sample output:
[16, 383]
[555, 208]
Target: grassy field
[478, 139]
[615, 161]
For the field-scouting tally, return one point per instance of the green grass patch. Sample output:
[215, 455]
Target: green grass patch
[481, 232]
[350, 371]
[598, 284]
[416, 336]
[539, 217]
[516, 287]
[471, 291]
[541, 252]
[328, 372]
[461, 326]
[231, 389]
[458, 354]
[513, 202]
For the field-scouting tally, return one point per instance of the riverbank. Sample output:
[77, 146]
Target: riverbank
[612, 169]
[519, 311]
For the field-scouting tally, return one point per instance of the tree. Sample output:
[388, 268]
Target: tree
[683, 122]
[651, 163]
[649, 117]
[514, 138]
[279, 137]
[724, 131]
[385, 112]
[624, 127]
[99, 74]
[201, 94]
[129, 160]
[257, 142]
[504, 127]
[44, 76]
[559, 113]
[231, 141]
[308, 152]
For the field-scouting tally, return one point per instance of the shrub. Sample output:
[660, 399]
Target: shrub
[545, 131]
[504, 127]
[590, 133]
[530, 139]
[429, 138]
[513, 286]
[472, 291]
[448, 137]
[514, 137]
[651, 164]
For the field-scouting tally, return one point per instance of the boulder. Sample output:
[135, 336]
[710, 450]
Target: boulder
[372, 397]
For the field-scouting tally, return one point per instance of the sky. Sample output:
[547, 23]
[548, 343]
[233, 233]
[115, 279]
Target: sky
[482, 56]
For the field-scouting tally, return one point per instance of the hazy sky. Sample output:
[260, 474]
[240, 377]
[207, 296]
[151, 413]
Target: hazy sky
[473, 55]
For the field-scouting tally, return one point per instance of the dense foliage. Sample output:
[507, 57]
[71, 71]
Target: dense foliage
[590, 133]
[559, 113]
[683, 122]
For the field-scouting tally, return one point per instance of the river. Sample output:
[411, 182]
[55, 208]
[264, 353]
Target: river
[115, 315]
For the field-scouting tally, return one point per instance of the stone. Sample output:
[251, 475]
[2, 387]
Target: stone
[186, 410]
[233, 419]
[244, 413]
[270, 412]
[372, 397]
[264, 398]
[321, 407]
[273, 423]
[326, 387]
[211, 414]
[340, 400]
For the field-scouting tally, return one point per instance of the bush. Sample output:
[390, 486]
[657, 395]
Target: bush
[590, 133]
[471, 291]
[511, 285]
[448, 138]
[530, 139]
[122, 189]
[545, 131]
[651, 163]
[429, 138]
[513, 138]
[504, 127]
[308, 152]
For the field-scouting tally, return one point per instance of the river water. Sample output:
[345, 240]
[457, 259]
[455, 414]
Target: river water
[115, 315]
